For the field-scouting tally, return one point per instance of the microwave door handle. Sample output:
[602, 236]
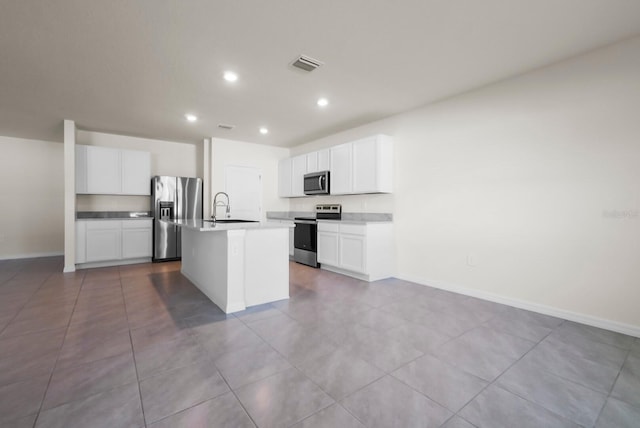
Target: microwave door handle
[320, 180]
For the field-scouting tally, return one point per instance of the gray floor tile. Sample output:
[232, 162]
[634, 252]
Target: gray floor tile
[390, 403]
[165, 330]
[257, 313]
[340, 373]
[627, 387]
[457, 422]
[448, 324]
[85, 347]
[563, 397]
[585, 348]
[282, 399]
[274, 326]
[118, 407]
[19, 367]
[250, 364]
[483, 352]
[570, 329]
[378, 320]
[382, 351]
[178, 389]
[181, 352]
[332, 417]
[22, 398]
[497, 408]
[221, 412]
[23, 422]
[527, 330]
[441, 382]
[77, 382]
[594, 375]
[302, 345]
[225, 336]
[619, 414]
[423, 338]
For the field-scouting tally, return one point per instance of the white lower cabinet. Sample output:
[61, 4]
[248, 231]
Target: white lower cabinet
[113, 240]
[363, 251]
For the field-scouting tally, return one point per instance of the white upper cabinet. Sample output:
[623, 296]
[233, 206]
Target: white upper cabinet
[341, 180]
[362, 166]
[109, 171]
[103, 170]
[136, 172]
[299, 169]
[373, 165]
[324, 160]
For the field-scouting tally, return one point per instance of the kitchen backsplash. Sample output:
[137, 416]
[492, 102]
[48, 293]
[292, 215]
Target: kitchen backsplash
[112, 203]
[375, 203]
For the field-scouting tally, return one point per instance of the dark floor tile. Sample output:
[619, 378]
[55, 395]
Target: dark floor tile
[390, 403]
[119, 407]
[575, 402]
[221, 412]
[250, 364]
[441, 382]
[79, 382]
[594, 375]
[331, 417]
[181, 352]
[497, 408]
[175, 390]
[627, 387]
[282, 399]
[20, 399]
[619, 414]
[340, 373]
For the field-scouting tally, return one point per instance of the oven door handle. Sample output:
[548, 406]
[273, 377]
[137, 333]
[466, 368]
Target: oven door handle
[305, 221]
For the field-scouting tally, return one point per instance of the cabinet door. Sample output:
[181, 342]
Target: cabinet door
[328, 248]
[81, 241]
[81, 169]
[299, 169]
[341, 169]
[324, 163]
[284, 178]
[136, 172]
[353, 253]
[136, 243]
[103, 170]
[103, 240]
[365, 162]
[312, 162]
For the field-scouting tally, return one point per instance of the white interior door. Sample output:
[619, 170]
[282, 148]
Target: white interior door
[244, 187]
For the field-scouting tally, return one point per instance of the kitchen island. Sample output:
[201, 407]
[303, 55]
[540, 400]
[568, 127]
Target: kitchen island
[236, 265]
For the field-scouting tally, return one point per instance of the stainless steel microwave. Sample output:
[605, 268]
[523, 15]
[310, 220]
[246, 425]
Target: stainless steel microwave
[316, 183]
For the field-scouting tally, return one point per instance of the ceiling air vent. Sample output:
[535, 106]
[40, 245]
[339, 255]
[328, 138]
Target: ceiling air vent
[226, 126]
[306, 63]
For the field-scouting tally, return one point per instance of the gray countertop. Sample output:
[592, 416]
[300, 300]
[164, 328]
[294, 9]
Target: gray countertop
[346, 217]
[113, 215]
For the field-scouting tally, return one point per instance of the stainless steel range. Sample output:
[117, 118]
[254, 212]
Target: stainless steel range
[305, 235]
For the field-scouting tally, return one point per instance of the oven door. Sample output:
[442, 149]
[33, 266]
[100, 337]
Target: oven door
[305, 235]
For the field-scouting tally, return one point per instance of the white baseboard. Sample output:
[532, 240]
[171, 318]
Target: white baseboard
[113, 263]
[629, 329]
[30, 255]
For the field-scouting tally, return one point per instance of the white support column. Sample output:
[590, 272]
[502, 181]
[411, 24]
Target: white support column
[206, 179]
[69, 196]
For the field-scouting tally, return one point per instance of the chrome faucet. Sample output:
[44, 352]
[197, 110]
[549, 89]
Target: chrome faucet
[215, 205]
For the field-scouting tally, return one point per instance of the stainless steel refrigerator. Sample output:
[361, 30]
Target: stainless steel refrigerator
[173, 198]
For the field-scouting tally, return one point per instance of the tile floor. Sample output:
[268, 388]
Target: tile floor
[139, 346]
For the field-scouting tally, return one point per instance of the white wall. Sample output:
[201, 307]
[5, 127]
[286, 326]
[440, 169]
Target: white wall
[32, 198]
[536, 178]
[167, 158]
[237, 153]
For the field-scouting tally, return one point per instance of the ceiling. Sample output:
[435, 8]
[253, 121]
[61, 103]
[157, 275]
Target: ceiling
[135, 67]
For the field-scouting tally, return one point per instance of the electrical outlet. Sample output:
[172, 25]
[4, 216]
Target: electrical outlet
[471, 260]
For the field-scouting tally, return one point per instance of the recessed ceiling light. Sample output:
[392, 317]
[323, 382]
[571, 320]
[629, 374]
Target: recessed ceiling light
[264, 131]
[323, 102]
[191, 117]
[230, 76]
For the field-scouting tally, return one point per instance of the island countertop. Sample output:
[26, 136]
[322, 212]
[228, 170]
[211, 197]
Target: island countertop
[201, 225]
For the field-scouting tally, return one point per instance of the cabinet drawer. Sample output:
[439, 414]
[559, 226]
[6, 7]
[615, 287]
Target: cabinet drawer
[353, 229]
[328, 227]
[104, 225]
[137, 224]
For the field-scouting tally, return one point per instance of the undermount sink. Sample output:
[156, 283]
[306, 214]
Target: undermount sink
[229, 220]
